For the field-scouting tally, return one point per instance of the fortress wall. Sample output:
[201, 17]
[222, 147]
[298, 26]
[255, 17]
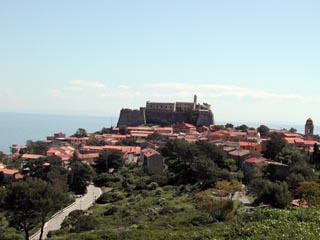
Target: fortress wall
[205, 119]
[165, 117]
[129, 117]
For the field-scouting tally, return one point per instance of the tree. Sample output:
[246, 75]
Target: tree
[47, 199]
[242, 127]
[229, 125]
[81, 132]
[310, 192]
[123, 130]
[93, 141]
[154, 137]
[37, 147]
[290, 155]
[32, 201]
[316, 156]
[131, 141]
[231, 164]
[210, 151]
[229, 186]
[274, 193]
[274, 146]
[293, 130]
[109, 159]
[263, 130]
[192, 162]
[203, 170]
[79, 177]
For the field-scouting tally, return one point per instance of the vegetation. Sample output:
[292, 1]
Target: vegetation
[263, 130]
[194, 198]
[81, 132]
[79, 177]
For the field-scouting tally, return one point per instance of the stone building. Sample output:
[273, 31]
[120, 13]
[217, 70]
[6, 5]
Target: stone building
[308, 129]
[153, 161]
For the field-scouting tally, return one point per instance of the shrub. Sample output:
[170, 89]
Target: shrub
[153, 186]
[162, 180]
[109, 197]
[85, 223]
[110, 211]
[102, 179]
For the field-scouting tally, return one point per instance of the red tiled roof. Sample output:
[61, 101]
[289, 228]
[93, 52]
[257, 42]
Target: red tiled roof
[290, 141]
[6, 171]
[246, 144]
[88, 156]
[148, 152]
[309, 142]
[237, 134]
[31, 156]
[291, 135]
[251, 160]
[186, 125]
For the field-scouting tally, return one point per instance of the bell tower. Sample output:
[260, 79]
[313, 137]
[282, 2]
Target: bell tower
[308, 129]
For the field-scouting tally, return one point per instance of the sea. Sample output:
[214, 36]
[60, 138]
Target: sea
[17, 128]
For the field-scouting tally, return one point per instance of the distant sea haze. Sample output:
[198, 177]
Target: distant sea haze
[17, 128]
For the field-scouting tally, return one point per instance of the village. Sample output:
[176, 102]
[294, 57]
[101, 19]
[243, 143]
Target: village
[245, 146]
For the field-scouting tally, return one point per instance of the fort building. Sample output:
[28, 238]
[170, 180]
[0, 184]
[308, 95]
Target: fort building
[166, 113]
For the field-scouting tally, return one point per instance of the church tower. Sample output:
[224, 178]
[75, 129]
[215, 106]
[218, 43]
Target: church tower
[308, 129]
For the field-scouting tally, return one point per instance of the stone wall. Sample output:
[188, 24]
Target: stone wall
[130, 117]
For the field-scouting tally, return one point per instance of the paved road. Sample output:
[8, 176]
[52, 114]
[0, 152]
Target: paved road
[82, 203]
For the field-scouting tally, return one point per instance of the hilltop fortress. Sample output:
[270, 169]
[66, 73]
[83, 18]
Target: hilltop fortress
[164, 113]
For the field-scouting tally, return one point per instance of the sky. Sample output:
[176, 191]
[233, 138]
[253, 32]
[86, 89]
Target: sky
[251, 60]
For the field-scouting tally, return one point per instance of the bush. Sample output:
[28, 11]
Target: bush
[160, 179]
[76, 213]
[85, 223]
[102, 179]
[202, 219]
[140, 185]
[110, 211]
[153, 186]
[109, 197]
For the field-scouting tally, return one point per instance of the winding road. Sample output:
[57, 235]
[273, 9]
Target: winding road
[81, 203]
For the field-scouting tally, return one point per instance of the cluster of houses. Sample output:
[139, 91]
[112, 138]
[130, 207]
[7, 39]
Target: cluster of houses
[244, 147]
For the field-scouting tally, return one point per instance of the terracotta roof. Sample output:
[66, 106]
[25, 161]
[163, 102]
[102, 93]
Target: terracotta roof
[308, 142]
[124, 149]
[186, 125]
[251, 160]
[237, 134]
[88, 156]
[6, 171]
[31, 156]
[291, 135]
[246, 144]
[290, 141]
[140, 134]
[239, 153]
[148, 152]
[298, 140]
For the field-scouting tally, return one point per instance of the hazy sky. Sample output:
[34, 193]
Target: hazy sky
[251, 60]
